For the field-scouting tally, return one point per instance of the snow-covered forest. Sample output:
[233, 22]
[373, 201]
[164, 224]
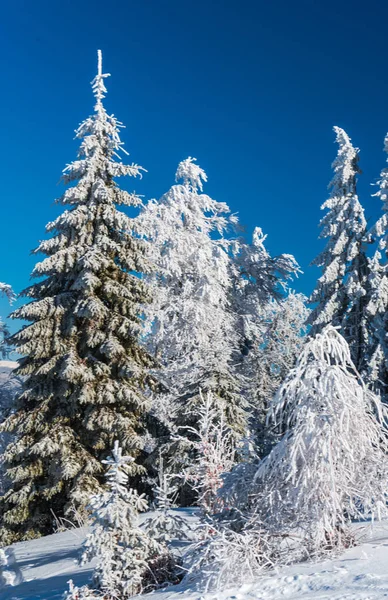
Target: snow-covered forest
[164, 365]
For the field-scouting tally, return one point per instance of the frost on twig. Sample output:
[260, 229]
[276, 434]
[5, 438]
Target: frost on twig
[215, 452]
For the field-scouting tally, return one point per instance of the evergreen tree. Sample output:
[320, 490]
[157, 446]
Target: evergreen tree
[342, 290]
[376, 352]
[193, 330]
[262, 277]
[269, 325]
[164, 524]
[283, 329]
[128, 559]
[84, 368]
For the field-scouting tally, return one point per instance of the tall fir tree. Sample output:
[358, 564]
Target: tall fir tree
[377, 307]
[85, 371]
[376, 350]
[342, 290]
[265, 317]
[282, 335]
[193, 329]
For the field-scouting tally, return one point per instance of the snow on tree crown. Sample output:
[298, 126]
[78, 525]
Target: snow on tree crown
[7, 291]
[258, 239]
[117, 467]
[99, 155]
[345, 165]
[98, 85]
[329, 346]
[192, 174]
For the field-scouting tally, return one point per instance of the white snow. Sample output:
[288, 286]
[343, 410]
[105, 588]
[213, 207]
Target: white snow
[6, 366]
[47, 564]
[360, 573]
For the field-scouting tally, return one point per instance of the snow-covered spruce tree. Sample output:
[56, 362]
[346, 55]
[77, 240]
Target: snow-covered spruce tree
[262, 277]
[376, 350]
[165, 524]
[129, 560]
[282, 336]
[341, 291]
[331, 463]
[84, 369]
[193, 331]
[269, 323]
[377, 308]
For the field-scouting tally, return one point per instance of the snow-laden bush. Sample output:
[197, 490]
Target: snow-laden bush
[225, 557]
[80, 593]
[129, 561]
[330, 466]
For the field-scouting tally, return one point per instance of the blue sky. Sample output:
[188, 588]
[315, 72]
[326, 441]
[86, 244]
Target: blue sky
[251, 88]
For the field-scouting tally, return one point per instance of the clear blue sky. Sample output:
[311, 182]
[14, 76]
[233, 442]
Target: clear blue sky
[251, 88]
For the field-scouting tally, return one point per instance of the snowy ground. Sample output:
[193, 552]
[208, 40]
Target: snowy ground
[360, 573]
